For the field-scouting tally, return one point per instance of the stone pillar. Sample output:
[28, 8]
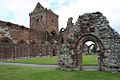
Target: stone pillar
[79, 61]
[81, 58]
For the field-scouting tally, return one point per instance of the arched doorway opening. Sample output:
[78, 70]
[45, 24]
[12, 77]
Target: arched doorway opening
[90, 55]
[79, 46]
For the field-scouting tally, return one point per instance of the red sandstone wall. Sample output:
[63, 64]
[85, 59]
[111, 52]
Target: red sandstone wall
[45, 20]
[38, 21]
[52, 22]
[22, 33]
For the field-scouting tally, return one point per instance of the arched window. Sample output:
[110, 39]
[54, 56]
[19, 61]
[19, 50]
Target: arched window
[37, 20]
[41, 16]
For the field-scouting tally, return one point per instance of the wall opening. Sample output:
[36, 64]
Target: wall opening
[90, 55]
[99, 51]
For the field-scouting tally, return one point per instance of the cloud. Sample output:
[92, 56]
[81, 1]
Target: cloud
[17, 11]
[109, 8]
[60, 4]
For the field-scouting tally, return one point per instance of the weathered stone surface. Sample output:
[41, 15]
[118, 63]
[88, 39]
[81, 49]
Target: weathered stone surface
[95, 27]
[43, 30]
[44, 19]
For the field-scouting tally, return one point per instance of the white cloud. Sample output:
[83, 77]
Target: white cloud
[21, 10]
[109, 8]
[23, 6]
[65, 9]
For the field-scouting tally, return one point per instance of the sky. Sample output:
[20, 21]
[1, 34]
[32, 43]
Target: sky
[17, 11]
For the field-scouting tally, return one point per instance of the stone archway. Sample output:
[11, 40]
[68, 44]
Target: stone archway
[79, 49]
[90, 27]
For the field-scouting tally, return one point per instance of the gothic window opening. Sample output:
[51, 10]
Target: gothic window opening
[41, 16]
[52, 33]
[52, 21]
[62, 40]
[37, 20]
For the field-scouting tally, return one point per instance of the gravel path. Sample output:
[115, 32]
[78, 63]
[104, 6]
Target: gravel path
[32, 65]
[90, 68]
[85, 68]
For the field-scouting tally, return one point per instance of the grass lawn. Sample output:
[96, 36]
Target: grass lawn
[87, 60]
[36, 60]
[90, 60]
[8, 72]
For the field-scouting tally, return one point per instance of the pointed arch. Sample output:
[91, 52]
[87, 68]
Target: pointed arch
[79, 49]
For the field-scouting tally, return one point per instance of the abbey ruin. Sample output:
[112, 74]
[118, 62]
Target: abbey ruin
[90, 27]
[39, 40]
[43, 38]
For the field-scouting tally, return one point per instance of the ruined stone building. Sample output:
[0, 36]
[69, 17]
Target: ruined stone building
[90, 27]
[43, 30]
[43, 38]
[43, 24]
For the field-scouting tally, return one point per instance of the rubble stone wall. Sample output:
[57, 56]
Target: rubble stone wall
[97, 25]
[17, 33]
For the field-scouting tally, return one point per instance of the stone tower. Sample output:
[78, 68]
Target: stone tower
[44, 19]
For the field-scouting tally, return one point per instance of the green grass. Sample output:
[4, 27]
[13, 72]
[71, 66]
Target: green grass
[90, 60]
[8, 72]
[36, 60]
[87, 60]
